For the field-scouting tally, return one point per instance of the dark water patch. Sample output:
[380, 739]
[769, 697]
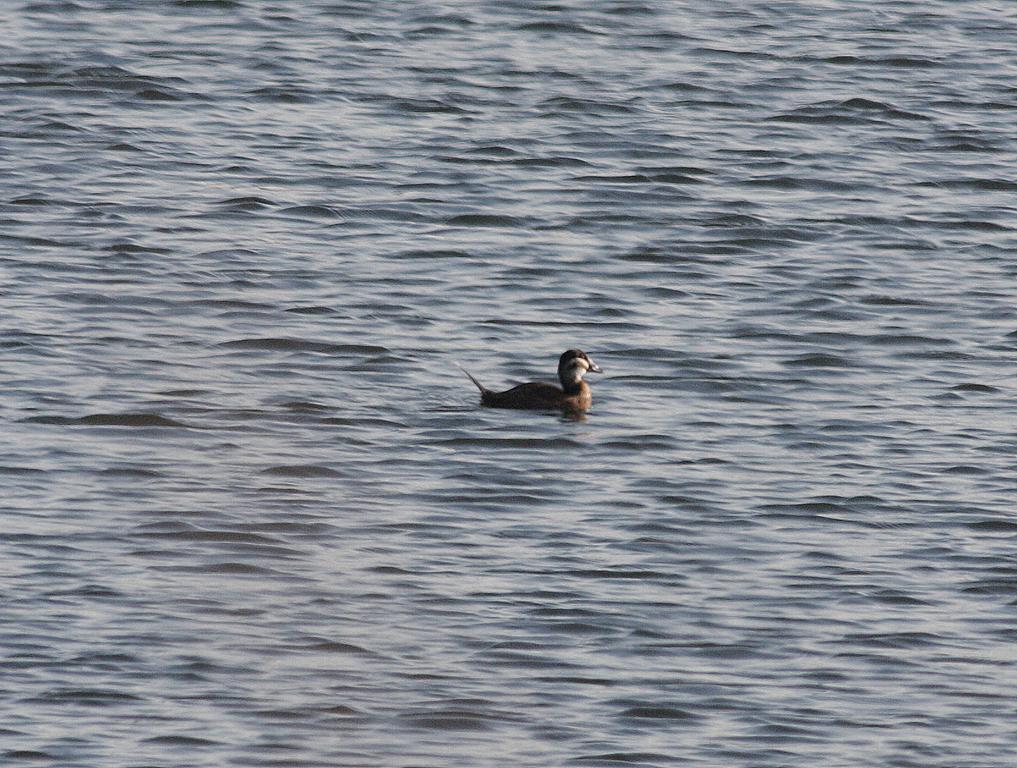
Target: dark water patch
[559, 105]
[302, 345]
[674, 255]
[211, 5]
[661, 292]
[847, 112]
[892, 62]
[366, 422]
[651, 711]
[557, 28]
[282, 94]
[483, 220]
[549, 162]
[907, 340]
[312, 211]
[818, 360]
[36, 200]
[424, 106]
[631, 178]
[323, 645]
[984, 185]
[627, 574]
[247, 203]
[312, 310]
[29, 754]
[511, 442]
[447, 720]
[895, 640]
[282, 716]
[110, 420]
[975, 389]
[10, 470]
[624, 758]
[180, 740]
[896, 597]
[231, 304]
[795, 183]
[85, 697]
[160, 94]
[648, 442]
[427, 254]
[973, 224]
[112, 302]
[806, 509]
[936, 354]
[965, 469]
[223, 536]
[516, 660]
[877, 300]
[226, 569]
[89, 591]
[128, 247]
[301, 471]
[304, 406]
[1004, 585]
[132, 473]
[342, 710]
[995, 526]
[495, 150]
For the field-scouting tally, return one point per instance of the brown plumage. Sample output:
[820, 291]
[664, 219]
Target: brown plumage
[573, 394]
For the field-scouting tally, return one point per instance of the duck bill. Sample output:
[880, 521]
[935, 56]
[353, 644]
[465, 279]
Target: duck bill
[594, 368]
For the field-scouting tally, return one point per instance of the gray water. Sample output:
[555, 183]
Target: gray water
[254, 515]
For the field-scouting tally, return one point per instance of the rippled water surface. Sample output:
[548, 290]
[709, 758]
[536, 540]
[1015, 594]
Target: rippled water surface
[254, 515]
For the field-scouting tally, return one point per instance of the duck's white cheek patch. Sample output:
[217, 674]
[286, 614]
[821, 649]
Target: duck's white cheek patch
[574, 372]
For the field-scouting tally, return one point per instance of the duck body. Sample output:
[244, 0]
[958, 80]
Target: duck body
[573, 395]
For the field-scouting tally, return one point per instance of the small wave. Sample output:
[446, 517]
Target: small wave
[301, 471]
[907, 340]
[548, 162]
[483, 220]
[110, 420]
[983, 389]
[565, 104]
[248, 203]
[818, 360]
[995, 526]
[312, 310]
[272, 344]
[509, 442]
[8, 470]
[636, 758]
[159, 94]
[92, 697]
[314, 211]
[658, 712]
[275, 94]
[429, 253]
[132, 473]
[210, 4]
[180, 741]
[324, 645]
[230, 569]
[557, 27]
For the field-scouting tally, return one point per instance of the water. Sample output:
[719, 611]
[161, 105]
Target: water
[253, 513]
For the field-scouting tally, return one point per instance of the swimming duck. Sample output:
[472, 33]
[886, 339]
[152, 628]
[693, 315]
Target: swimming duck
[573, 395]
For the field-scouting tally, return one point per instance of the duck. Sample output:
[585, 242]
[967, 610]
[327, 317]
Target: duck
[573, 394]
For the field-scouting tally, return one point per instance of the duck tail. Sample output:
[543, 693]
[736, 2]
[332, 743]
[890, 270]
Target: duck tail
[483, 390]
